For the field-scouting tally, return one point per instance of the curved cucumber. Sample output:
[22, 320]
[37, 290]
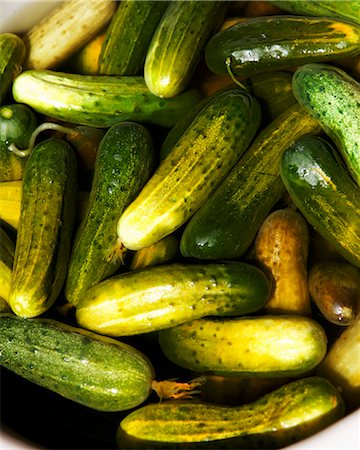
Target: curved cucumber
[95, 371]
[199, 161]
[258, 346]
[162, 296]
[325, 194]
[125, 160]
[332, 97]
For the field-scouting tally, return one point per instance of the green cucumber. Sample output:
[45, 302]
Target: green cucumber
[124, 162]
[99, 100]
[7, 250]
[17, 123]
[279, 42]
[254, 346]
[128, 36]
[321, 188]
[177, 44]
[332, 97]
[158, 297]
[227, 223]
[45, 227]
[288, 414]
[95, 371]
[12, 55]
[196, 165]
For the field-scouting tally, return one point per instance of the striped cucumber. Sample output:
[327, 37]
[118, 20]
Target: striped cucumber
[206, 152]
[12, 55]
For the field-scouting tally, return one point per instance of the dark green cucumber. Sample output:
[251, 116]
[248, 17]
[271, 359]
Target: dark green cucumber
[95, 371]
[45, 228]
[158, 297]
[99, 100]
[288, 414]
[279, 42]
[199, 161]
[325, 194]
[12, 55]
[17, 123]
[177, 43]
[227, 223]
[258, 346]
[128, 36]
[332, 97]
[124, 163]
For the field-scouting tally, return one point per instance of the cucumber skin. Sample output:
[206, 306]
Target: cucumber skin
[290, 41]
[128, 37]
[227, 223]
[254, 346]
[125, 161]
[12, 55]
[292, 412]
[162, 296]
[45, 228]
[101, 100]
[95, 371]
[206, 152]
[332, 97]
[325, 194]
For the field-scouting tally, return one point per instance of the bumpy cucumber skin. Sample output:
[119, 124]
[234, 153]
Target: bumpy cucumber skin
[124, 163]
[95, 371]
[162, 296]
[255, 346]
[45, 228]
[227, 223]
[280, 42]
[17, 123]
[282, 417]
[176, 45]
[128, 37]
[332, 97]
[199, 161]
[98, 101]
[325, 194]
[12, 55]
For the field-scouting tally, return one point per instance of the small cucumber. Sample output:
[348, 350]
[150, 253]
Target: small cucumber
[227, 223]
[279, 42]
[12, 55]
[199, 161]
[17, 123]
[98, 101]
[10, 202]
[177, 43]
[161, 296]
[286, 415]
[258, 346]
[45, 228]
[161, 252]
[325, 194]
[332, 97]
[95, 371]
[124, 163]
[128, 36]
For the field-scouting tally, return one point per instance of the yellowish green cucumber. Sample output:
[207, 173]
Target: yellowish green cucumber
[10, 202]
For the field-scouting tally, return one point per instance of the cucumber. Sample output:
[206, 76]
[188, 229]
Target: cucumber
[10, 202]
[177, 43]
[17, 123]
[325, 194]
[128, 36]
[101, 101]
[163, 251]
[332, 97]
[227, 223]
[12, 55]
[158, 297]
[95, 371]
[286, 415]
[124, 162]
[254, 346]
[199, 161]
[279, 42]
[45, 228]
[7, 250]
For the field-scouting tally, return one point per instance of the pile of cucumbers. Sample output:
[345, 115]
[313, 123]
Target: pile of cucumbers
[180, 216]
